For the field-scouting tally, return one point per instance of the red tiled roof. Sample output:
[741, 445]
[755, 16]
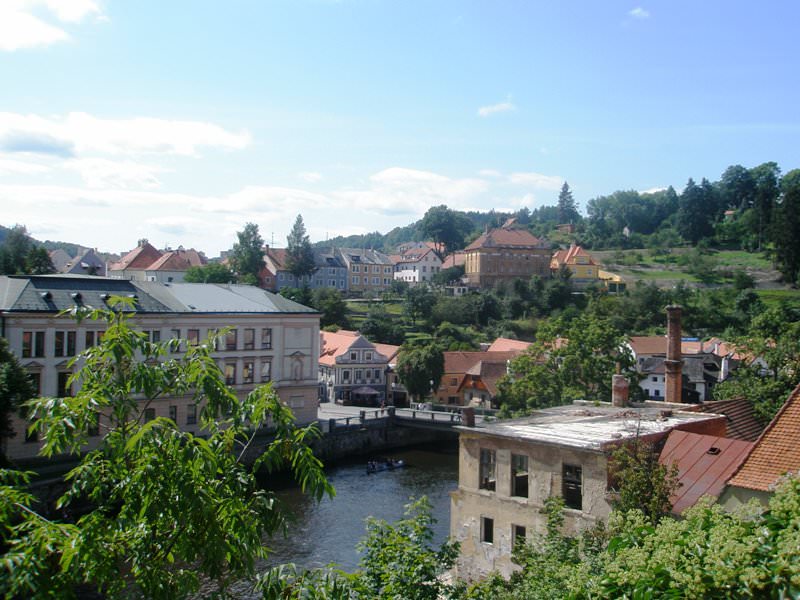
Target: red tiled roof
[500, 237]
[776, 452]
[657, 344]
[742, 423]
[456, 259]
[506, 345]
[461, 361]
[335, 344]
[488, 371]
[140, 257]
[705, 462]
[178, 260]
[570, 256]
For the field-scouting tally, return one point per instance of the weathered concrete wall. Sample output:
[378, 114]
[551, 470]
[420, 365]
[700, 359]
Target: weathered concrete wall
[470, 504]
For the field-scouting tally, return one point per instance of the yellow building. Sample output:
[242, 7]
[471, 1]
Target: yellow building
[504, 254]
[582, 266]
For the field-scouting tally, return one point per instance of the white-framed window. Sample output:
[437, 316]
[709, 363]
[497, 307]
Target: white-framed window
[266, 371]
[355, 280]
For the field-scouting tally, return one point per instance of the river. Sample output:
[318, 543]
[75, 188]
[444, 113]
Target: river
[327, 532]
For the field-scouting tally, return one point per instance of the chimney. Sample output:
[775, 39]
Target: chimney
[673, 364]
[619, 391]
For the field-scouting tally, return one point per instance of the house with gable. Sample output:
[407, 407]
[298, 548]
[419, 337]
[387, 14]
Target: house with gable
[470, 378]
[583, 269]
[133, 265]
[85, 263]
[370, 273]
[504, 254]
[775, 454]
[353, 370]
[416, 265]
[173, 264]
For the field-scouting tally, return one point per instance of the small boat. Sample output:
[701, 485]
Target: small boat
[384, 464]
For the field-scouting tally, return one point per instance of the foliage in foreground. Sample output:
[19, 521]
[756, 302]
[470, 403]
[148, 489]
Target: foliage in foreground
[160, 510]
[709, 553]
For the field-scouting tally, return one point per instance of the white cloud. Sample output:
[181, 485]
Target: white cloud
[485, 111]
[537, 180]
[653, 190]
[310, 176]
[86, 133]
[639, 13]
[20, 28]
[490, 173]
[18, 166]
[103, 173]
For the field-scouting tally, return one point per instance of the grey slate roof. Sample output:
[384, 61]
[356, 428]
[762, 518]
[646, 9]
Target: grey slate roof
[54, 293]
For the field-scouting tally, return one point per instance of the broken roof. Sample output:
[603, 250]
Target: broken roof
[590, 427]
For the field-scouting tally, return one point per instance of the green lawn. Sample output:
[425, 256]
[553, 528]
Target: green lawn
[772, 297]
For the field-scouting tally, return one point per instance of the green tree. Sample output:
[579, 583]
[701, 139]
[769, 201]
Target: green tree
[418, 303]
[330, 303]
[786, 228]
[210, 273]
[247, 255]
[567, 209]
[771, 366]
[38, 262]
[15, 250]
[642, 482]
[300, 260]
[766, 178]
[418, 366]
[447, 228]
[15, 388]
[168, 509]
[380, 326]
[696, 211]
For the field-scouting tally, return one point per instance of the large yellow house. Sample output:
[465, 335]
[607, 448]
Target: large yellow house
[582, 266]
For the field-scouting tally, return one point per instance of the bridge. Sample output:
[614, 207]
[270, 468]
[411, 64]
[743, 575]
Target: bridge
[338, 417]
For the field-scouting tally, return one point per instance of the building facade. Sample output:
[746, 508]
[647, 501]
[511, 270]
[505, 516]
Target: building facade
[508, 470]
[370, 273]
[271, 339]
[504, 254]
[416, 265]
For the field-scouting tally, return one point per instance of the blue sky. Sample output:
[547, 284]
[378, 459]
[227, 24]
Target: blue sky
[180, 121]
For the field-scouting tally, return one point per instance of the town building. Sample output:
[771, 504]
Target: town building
[271, 339]
[370, 273]
[330, 270]
[504, 254]
[354, 371]
[84, 263]
[774, 455]
[146, 263]
[470, 378]
[416, 265]
[584, 271]
[508, 469]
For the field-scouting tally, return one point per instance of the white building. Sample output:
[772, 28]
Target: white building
[272, 338]
[416, 265]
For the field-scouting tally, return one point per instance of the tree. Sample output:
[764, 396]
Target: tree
[300, 260]
[332, 306]
[15, 250]
[210, 273]
[766, 178]
[380, 326]
[418, 303]
[418, 366]
[247, 255]
[696, 210]
[641, 481]
[786, 228]
[166, 509]
[447, 228]
[38, 262]
[15, 388]
[567, 209]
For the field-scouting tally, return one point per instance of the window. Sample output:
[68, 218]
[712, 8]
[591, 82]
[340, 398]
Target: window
[191, 414]
[488, 479]
[353, 356]
[230, 340]
[247, 372]
[487, 530]
[519, 473]
[266, 371]
[64, 343]
[387, 270]
[654, 378]
[36, 381]
[367, 356]
[149, 414]
[345, 376]
[230, 373]
[175, 336]
[193, 335]
[359, 375]
[657, 393]
[266, 339]
[173, 412]
[518, 534]
[356, 268]
[572, 486]
[377, 374]
[355, 280]
[453, 381]
[376, 281]
[249, 339]
[32, 344]
[64, 390]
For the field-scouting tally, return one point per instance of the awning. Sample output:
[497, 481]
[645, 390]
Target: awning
[365, 391]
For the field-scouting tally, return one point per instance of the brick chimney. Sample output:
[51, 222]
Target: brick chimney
[619, 390]
[673, 365]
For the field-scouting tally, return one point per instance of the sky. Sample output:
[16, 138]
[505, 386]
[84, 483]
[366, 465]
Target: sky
[180, 121]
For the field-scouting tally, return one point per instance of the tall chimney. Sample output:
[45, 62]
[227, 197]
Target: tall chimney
[673, 364]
